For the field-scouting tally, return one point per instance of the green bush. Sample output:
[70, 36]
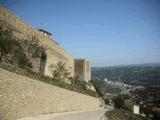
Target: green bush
[35, 49]
[106, 101]
[118, 102]
[17, 52]
[98, 88]
[80, 84]
[10, 46]
[22, 59]
[59, 71]
[7, 44]
[120, 114]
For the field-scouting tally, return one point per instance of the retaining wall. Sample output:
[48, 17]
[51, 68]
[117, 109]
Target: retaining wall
[21, 97]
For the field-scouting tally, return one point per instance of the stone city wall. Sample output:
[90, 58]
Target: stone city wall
[24, 31]
[82, 69]
[23, 97]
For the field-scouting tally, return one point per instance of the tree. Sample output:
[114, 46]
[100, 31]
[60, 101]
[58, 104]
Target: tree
[118, 102]
[59, 71]
[106, 101]
[99, 86]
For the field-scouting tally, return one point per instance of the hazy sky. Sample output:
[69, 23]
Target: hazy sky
[108, 32]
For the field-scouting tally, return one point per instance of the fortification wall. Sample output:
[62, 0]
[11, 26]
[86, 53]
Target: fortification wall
[23, 97]
[82, 69]
[87, 70]
[24, 31]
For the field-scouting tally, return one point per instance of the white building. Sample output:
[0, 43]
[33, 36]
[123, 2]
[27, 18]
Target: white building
[136, 109]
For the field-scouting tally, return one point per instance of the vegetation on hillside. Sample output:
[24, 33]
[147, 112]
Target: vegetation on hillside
[118, 102]
[102, 87]
[11, 51]
[59, 71]
[17, 52]
[78, 87]
[148, 98]
[119, 114]
[136, 74]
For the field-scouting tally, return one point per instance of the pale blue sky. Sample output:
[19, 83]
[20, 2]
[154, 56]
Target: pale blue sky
[108, 32]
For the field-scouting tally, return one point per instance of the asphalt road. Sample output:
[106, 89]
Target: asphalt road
[83, 115]
[89, 115]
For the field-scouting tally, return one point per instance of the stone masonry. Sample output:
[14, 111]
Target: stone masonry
[82, 69]
[54, 51]
[24, 31]
[22, 97]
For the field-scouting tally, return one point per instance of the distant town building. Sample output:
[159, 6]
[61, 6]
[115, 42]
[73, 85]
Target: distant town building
[111, 94]
[136, 109]
[105, 79]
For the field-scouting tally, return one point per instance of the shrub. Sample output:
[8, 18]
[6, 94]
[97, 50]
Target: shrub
[22, 59]
[59, 71]
[7, 44]
[11, 50]
[106, 101]
[35, 49]
[97, 88]
[118, 102]
[80, 84]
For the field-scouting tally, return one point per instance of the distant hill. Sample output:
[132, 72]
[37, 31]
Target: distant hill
[136, 74]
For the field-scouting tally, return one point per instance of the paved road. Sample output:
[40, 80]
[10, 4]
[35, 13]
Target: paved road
[86, 115]
[89, 115]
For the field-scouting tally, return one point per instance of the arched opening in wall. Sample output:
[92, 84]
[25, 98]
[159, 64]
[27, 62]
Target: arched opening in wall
[43, 63]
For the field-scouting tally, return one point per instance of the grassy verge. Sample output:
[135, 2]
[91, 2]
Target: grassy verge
[120, 114]
[31, 74]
